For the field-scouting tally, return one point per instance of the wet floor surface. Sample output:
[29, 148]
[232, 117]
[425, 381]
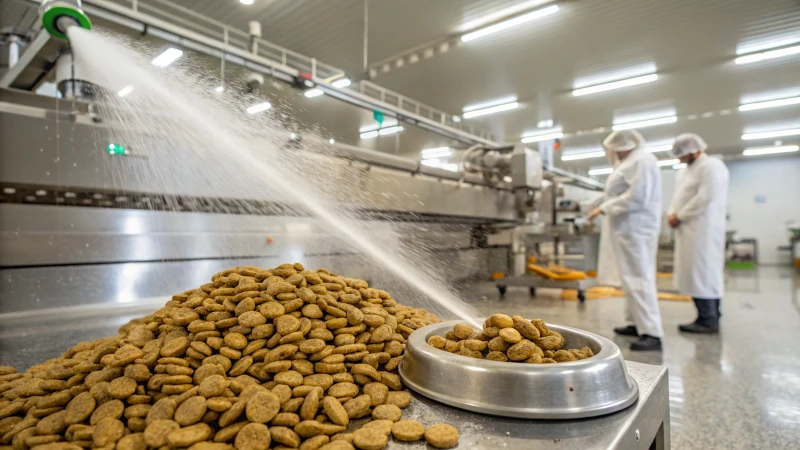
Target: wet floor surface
[737, 390]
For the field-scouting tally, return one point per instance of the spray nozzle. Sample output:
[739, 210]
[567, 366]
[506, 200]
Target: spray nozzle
[60, 15]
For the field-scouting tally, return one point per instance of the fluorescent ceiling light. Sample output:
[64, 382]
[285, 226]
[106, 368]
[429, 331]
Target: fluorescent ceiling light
[293, 136]
[755, 57]
[544, 123]
[125, 91]
[246, 2]
[438, 152]
[369, 135]
[679, 166]
[381, 132]
[658, 148]
[644, 123]
[615, 85]
[390, 130]
[456, 119]
[509, 23]
[770, 150]
[219, 89]
[168, 57]
[490, 110]
[377, 126]
[542, 137]
[770, 134]
[669, 162]
[311, 93]
[342, 83]
[769, 104]
[331, 141]
[601, 171]
[585, 155]
[257, 108]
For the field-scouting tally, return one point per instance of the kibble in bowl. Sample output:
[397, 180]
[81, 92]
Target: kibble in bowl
[509, 339]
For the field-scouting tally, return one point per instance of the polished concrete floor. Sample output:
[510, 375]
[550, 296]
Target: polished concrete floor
[737, 390]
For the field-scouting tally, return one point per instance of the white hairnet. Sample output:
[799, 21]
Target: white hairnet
[623, 141]
[688, 143]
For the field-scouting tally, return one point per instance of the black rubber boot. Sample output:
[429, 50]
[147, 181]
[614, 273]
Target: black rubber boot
[707, 317]
[646, 342]
[630, 330]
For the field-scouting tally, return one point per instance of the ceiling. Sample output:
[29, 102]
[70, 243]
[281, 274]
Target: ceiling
[690, 43]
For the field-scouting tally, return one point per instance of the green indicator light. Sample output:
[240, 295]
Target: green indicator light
[115, 149]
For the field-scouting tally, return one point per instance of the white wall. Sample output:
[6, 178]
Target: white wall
[778, 181]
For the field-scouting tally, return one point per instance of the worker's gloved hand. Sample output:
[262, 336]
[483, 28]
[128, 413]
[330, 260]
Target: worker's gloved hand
[594, 213]
[673, 221]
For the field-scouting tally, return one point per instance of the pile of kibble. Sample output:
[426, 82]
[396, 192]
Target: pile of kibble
[514, 339]
[256, 359]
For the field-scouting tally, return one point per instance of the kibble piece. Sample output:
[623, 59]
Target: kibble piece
[155, 435]
[315, 442]
[496, 356]
[525, 328]
[191, 411]
[263, 407]
[462, 331]
[107, 431]
[285, 436]
[510, 335]
[213, 386]
[337, 445]
[253, 436]
[311, 404]
[399, 399]
[335, 411]
[187, 436]
[133, 441]
[381, 424]
[112, 409]
[442, 436]
[521, 350]
[79, 408]
[408, 430]
[286, 419]
[358, 407]
[387, 412]
[370, 439]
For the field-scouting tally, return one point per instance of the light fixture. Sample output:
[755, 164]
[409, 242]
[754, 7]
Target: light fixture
[452, 167]
[601, 171]
[770, 134]
[770, 150]
[542, 137]
[584, 155]
[668, 162]
[381, 132]
[437, 152]
[644, 123]
[219, 89]
[125, 91]
[769, 104]
[545, 123]
[658, 148]
[770, 54]
[342, 83]
[389, 130]
[259, 107]
[331, 141]
[490, 110]
[293, 136]
[456, 119]
[615, 85]
[369, 134]
[246, 2]
[167, 57]
[518, 20]
[679, 166]
[311, 93]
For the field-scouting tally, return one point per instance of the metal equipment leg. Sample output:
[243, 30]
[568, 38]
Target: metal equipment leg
[502, 290]
[533, 292]
[581, 296]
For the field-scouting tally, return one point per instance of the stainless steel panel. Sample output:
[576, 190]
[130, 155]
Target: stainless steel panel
[578, 389]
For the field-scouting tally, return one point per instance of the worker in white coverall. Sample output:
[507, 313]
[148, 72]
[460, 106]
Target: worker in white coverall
[632, 202]
[607, 272]
[697, 214]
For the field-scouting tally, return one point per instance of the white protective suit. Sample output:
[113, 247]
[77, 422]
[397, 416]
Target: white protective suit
[633, 206]
[700, 203]
[607, 271]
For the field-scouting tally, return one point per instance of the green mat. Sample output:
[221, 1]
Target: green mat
[741, 265]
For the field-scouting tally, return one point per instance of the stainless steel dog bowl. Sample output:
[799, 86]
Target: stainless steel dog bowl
[586, 388]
